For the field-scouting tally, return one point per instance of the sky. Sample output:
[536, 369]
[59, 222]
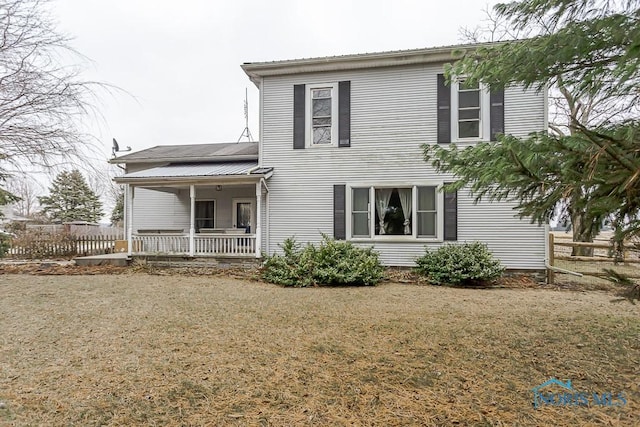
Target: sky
[177, 64]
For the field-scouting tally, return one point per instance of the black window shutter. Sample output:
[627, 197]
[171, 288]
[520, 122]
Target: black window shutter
[344, 114]
[339, 206]
[444, 110]
[450, 215]
[298, 116]
[497, 113]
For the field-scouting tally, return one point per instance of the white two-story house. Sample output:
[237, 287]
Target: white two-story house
[340, 154]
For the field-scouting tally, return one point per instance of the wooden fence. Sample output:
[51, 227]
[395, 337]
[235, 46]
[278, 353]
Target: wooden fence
[61, 245]
[629, 256]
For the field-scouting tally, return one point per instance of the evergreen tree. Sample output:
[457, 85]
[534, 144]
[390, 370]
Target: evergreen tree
[591, 172]
[71, 199]
[117, 213]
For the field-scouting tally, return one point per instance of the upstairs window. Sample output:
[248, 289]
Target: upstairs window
[469, 110]
[321, 113]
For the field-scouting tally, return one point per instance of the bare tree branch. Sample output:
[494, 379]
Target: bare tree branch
[42, 100]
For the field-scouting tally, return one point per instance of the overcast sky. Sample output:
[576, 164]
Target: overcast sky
[180, 60]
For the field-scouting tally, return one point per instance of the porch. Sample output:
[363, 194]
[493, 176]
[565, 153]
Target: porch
[196, 210]
[227, 243]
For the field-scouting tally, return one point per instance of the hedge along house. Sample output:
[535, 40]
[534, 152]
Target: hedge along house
[340, 154]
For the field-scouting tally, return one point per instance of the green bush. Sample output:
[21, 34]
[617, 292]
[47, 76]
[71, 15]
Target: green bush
[467, 264]
[331, 263]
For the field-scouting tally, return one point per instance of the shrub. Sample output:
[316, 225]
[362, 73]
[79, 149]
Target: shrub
[331, 263]
[38, 244]
[466, 264]
[5, 244]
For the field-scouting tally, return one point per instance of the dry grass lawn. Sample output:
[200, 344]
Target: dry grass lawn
[139, 349]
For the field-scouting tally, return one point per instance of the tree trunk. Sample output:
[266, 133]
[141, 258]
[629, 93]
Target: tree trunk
[581, 233]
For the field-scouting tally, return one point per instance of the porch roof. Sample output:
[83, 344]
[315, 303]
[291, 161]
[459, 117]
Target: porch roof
[198, 172]
[220, 152]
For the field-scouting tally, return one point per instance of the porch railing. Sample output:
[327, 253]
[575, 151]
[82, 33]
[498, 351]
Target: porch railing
[204, 245]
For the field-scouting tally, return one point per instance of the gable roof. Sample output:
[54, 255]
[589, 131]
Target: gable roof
[231, 151]
[257, 70]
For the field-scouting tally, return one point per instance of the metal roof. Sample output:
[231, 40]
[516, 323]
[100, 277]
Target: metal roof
[192, 153]
[383, 53]
[197, 170]
[256, 70]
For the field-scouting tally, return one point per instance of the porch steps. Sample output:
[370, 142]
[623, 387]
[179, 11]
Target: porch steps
[117, 259]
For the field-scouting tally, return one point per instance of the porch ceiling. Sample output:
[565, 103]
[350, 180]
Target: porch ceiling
[198, 172]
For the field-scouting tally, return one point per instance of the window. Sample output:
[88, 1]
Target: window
[204, 214]
[322, 113]
[427, 213]
[393, 212]
[468, 110]
[321, 116]
[243, 214]
[360, 209]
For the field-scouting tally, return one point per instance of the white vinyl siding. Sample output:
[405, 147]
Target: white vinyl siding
[164, 209]
[393, 112]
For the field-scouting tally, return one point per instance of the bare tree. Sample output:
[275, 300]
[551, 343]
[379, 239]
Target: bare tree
[41, 98]
[27, 190]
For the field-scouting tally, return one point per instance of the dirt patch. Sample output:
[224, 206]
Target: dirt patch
[140, 349]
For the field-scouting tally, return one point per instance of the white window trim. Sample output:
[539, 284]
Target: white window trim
[215, 210]
[439, 238]
[234, 212]
[485, 114]
[308, 114]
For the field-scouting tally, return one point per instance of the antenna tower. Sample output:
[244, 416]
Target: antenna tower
[246, 133]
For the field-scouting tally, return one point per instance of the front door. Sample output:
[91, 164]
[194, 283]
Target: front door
[243, 214]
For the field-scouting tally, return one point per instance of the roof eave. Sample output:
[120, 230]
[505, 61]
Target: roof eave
[256, 71]
[241, 158]
[193, 179]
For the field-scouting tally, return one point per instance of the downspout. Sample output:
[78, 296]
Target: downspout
[546, 256]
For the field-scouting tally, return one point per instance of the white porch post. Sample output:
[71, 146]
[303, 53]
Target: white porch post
[129, 215]
[258, 230]
[192, 226]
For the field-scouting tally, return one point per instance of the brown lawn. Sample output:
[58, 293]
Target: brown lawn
[139, 349]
